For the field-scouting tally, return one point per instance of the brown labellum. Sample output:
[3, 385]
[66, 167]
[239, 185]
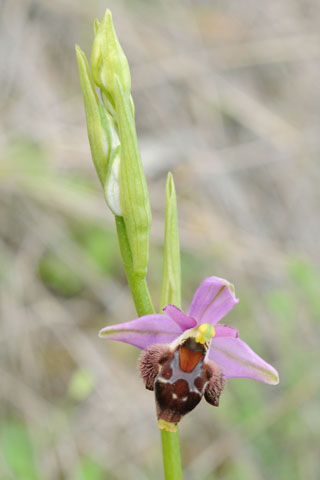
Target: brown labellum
[180, 378]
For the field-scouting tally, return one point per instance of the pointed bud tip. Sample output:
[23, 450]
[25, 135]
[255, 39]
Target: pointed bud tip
[107, 18]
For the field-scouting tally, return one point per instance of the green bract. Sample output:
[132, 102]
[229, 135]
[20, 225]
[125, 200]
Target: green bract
[171, 274]
[134, 195]
[96, 134]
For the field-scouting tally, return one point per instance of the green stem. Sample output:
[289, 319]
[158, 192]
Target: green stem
[171, 455]
[171, 293]
[137, 283]
[143, 303]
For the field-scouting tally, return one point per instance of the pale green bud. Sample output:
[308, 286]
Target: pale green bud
[171, 273]
[108, 58]
[134, 195]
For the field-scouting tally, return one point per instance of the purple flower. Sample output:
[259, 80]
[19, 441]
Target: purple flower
[189, 356]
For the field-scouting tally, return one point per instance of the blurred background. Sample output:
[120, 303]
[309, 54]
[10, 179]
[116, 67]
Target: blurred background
[227, 97]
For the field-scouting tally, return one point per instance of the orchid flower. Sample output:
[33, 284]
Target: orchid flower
[189, 356]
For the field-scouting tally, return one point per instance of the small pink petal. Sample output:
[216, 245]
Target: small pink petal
[213, 300]
[144, 331]
[179, 317]
[225, 331]
[236, 359]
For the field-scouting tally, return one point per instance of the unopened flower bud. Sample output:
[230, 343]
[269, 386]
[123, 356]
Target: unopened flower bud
[108, 59]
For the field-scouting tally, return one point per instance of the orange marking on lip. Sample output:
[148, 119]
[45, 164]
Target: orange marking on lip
[189, 358]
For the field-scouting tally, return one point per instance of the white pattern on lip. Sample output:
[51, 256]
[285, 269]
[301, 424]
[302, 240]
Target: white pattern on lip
[178, 374]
